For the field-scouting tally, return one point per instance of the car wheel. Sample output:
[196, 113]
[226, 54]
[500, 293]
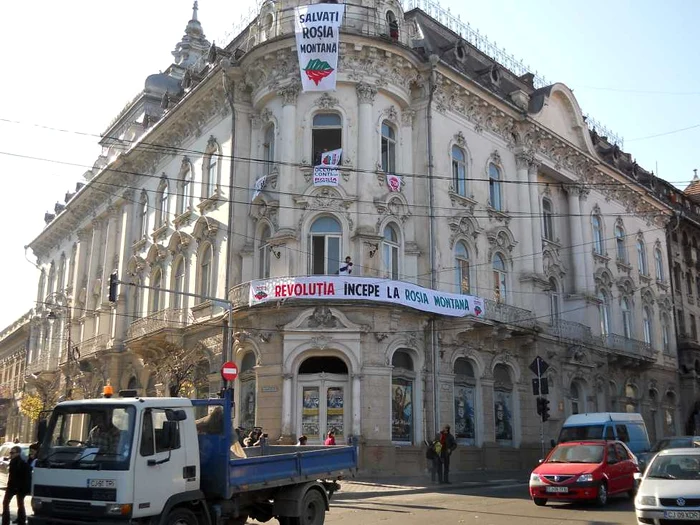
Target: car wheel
[602, 497]
[540, 502]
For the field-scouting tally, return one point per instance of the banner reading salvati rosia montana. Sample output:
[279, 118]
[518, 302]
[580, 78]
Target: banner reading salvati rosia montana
[317, 28]
[365, 289]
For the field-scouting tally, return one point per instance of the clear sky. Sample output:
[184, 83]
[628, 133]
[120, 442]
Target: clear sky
[74, 65]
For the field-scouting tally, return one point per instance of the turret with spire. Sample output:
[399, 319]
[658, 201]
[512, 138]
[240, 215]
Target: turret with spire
[192, 47]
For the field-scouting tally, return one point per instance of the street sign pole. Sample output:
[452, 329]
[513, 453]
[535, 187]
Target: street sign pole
[539, 379]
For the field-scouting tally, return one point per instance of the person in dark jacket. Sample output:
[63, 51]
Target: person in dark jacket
[18, 480]
[445, 443]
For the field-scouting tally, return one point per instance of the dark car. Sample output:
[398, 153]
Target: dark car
[664, 443]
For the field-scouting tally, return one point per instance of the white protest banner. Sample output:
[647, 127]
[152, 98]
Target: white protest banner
[259, 185]
[331, 158]
[394, 182]
[326, 176]
[325, 287]
[317, 28]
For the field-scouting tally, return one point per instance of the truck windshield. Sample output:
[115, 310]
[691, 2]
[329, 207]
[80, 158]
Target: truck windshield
[88, 437]
[581, 433]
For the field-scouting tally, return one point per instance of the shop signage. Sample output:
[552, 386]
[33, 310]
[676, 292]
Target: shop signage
[317, 27]
[365, 289]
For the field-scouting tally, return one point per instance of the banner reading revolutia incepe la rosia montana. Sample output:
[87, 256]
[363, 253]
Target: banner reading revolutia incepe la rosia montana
[317, 27]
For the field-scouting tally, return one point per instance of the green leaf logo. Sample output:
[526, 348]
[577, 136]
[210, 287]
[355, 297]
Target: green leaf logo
[317, 70]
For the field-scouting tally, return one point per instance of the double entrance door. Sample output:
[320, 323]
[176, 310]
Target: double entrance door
[323, 406]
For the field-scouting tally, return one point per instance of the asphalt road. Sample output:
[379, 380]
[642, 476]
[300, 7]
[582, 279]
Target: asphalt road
[504, 505]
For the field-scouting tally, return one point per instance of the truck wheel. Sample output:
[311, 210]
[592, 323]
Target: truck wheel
[313, 509]
[182, 516]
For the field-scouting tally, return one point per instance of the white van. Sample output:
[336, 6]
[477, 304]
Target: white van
[628, 428]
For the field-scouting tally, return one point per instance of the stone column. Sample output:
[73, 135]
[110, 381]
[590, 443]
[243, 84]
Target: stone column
[366, 152]
[587, 249]
[109, 265]
[94, 265]
[287, 404]
[126, 217]
[522, 161]
[535, 222]
[357, 404]
[578, 252]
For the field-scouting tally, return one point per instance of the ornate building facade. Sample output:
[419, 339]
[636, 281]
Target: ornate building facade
[206, 179]
[14, 340]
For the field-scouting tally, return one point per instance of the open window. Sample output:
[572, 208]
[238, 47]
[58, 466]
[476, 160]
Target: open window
[326, 134]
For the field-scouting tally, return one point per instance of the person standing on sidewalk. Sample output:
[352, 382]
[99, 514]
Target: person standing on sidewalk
[17, 480]
[447, 444]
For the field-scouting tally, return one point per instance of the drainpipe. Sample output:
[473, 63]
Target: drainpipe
[434, 59]
[227, 350]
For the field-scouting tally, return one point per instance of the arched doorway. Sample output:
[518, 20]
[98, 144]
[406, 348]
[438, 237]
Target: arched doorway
[324, 400]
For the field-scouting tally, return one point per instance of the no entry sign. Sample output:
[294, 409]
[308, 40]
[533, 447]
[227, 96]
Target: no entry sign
[229, 371]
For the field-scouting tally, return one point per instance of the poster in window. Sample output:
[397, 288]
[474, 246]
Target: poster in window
[309, 413]
[401, 410]
[248, 405]
[503, 416]
[464, 413]
[335, 411]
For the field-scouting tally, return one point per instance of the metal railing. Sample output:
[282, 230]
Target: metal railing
[92, 345]
[168, 318]
[512, 315]
[43, 363]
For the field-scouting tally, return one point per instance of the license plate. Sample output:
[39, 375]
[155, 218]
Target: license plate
[557, 489]
[102, 483]
[682, 515]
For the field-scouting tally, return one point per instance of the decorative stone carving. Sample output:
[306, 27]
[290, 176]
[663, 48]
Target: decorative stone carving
[328, 199]
[321, 342]
[463, 226]
[326, 101]
[501, 239]
[322, 317]
[365, 93]
[407, 116]
[289, 93]
[460, 139]
[391, 113]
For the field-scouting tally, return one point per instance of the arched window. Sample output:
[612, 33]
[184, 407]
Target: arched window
[462, 268]
[392, 25]
[144, 215]
[503, 404]
[390, 253]
[325, 246]
[646, 321]
[163, 197]
[659, 260]
[137, 300]
[205, 260]
[248, 389]
[499, 279]
[42, 284]
[184, 200]
[575, 398]
[465, 401]
[626, 318]
[402, 397]
[620, 244]
[554, 301]
[642, 257]
[178, 282]
[459, 171]
[598, 244]
[388, 148]
[269, 149]
[326, 134]
[210, 173]
[61, 272]
[666, 332]
[264, 253]
[689, 282]
[670, 414]
[631, 395]
[52, 281]
[495, 193]
[157, 283]
[604, 312]
[548, 219]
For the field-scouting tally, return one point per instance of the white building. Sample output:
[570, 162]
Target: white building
[504, 197]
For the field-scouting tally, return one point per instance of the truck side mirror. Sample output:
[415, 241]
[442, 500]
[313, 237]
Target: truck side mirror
[175, 415]
[41, 427]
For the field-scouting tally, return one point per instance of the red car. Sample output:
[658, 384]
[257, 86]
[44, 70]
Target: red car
[584, 470]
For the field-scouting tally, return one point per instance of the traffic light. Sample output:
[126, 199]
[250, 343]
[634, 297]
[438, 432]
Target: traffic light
[540, 404]
[113, 284]
[545, 409]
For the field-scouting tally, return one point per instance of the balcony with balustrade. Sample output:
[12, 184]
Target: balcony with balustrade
[156, 326]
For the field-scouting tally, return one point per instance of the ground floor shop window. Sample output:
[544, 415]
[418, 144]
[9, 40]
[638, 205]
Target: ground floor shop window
[464, 414]
[402, 410]
[324, 394]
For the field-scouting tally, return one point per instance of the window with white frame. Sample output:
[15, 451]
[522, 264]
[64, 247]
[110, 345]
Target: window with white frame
[459, 171]
[154, 294]
[620, 244]
[554, 301]
[264, 253]
[495, 193]
[210, 173]
[61, 272]
[163, 197]
[326, 244]
[462, 268]
[499, 278]
[575, 393]
[205, 263]
[626, 318]
[178, 282]
[390, 252]
[642, 257]
[269, 149]
[604, 312]
[144, 215]
[184, 200]
[326, 134]
[548, 219]
[666, 332]
[659, 260]
[388, 148]
[646, 321]
[598, 243]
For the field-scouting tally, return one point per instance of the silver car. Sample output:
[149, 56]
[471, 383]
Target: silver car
[663, 444]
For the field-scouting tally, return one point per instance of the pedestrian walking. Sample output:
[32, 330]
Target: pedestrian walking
[18, 486]
[445, 443]
[330, 439]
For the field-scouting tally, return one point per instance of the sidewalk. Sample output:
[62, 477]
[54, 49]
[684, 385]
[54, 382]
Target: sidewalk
[365, 485]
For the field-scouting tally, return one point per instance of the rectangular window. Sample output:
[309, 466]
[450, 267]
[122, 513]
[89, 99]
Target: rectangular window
[147, 443]
[325, 254]
[464, 414]
[402, 410]
[463, 275]
[326, 135]
[693, 328]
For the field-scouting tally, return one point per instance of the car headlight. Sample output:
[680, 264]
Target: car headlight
[647, 500]
[585, 478]
[534, 478]
[119, 509]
